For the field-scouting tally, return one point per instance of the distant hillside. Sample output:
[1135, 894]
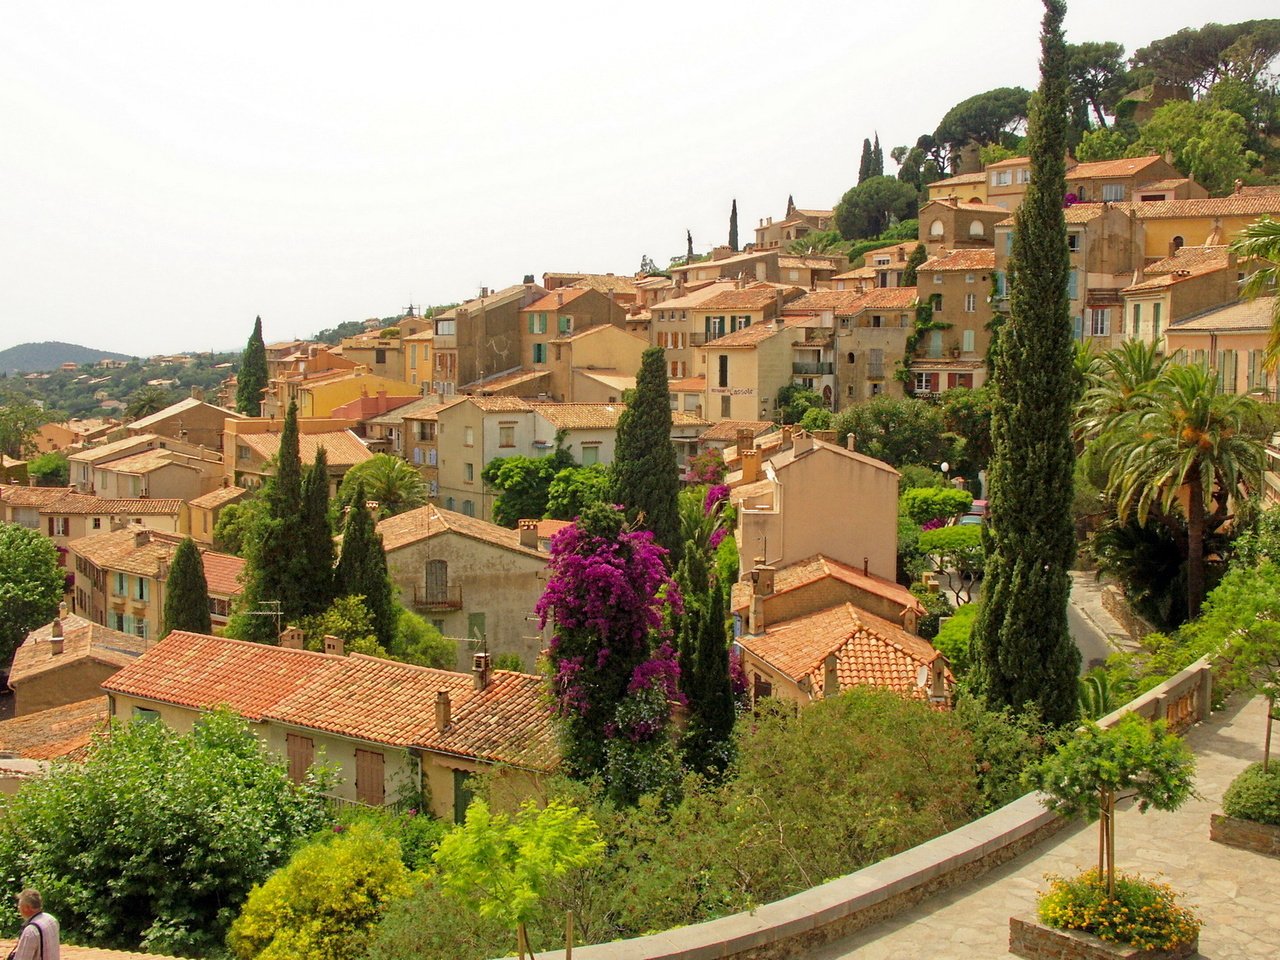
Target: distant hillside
[32, 357]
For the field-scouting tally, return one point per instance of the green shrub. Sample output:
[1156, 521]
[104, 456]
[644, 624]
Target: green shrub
[923, 504]
[1005, 744]
[1143, 914]
[324, 901]
[417, 833]
[1254, 795]
[952, 637]
[936, 606]
[911, 476]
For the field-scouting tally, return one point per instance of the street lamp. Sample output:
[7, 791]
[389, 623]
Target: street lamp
[946, 471]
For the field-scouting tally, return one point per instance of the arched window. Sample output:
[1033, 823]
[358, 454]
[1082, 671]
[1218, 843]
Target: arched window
[1178, 242]
[977, 229]
[936, 229]
[852, 358]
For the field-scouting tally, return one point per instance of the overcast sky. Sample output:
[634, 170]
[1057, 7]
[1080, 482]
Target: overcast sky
[169, 171]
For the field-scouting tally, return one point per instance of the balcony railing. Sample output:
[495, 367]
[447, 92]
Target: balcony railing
[799, 368]
[448, 597]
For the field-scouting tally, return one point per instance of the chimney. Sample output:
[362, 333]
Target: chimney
[830, 680]
[141, 538]
[786, 437]
[197, 393]
[529, 534]
[746, 440]
[443, 711]
[851, 442]
[334, 645]
[801, 442]
[911, 620]
[55, 637]
[826, 436]
[755, 616]
[1238, 186]
[762, 578]
[291, 637]
[750, 466]
[480, 664]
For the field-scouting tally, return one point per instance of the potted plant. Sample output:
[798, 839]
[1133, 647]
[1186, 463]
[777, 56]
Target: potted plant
[1099, 913]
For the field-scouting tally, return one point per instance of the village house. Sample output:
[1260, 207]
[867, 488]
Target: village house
[1231, 340]
[480, 337]
[160, 473]
[320, 394]
[475, 581]
[58, 733]
[190, 420]
[963, 187]
[811, 271]
[620, 289]
[947, 225]
[679, 333]
[871, 332]
[254, 442]
[1137, 179]
[120, 578]
[65, 662]
[760, 266]
[957, 286]
[687, 395]
[365, 408]
[1168, 225]
[73, 433]
[381, 353]
[418, 359]
[199, 517]
[84, 464]
[561, 313]
[392, 731]
[742, 433]
[745, 371]
[1186, 284]
[386, 433]
[63, 515]
[795, 225]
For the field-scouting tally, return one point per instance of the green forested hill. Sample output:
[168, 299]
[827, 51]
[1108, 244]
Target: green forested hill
[49, 355]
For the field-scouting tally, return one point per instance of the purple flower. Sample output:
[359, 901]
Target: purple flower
[716, 495]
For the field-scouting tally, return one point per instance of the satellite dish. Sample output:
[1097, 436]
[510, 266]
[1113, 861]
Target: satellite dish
[922, 677]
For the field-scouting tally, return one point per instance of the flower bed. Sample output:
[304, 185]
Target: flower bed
[1037, 941]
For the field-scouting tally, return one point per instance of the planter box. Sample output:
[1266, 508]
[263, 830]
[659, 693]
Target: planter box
[1245, 834]
[1035, 941]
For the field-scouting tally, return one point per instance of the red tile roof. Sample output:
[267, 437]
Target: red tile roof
[749, 298]
[342, 447]
[1103, 169]
[962, 260]
[560, 297]
[1192, 258]
[727, 430]
[807, 572]
[959, 179]
[1244, 316]
[688, 385]
[222, 573]
[750, 336]
[414, 526]
[1237, 205]
[56, 733]
[219, 497]
[81, 640]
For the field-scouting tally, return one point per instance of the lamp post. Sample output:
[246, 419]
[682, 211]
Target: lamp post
[946, 471]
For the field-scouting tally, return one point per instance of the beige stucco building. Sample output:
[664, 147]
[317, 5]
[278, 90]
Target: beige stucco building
[191, 420]
[66, 661]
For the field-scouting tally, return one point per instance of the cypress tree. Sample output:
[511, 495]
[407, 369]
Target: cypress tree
[1023, 649]
[708, 740]
[877, 158]
[918, 256]
[316, 548]
[646, 477]
[791, 204]
[733, 226]
[186, 592]
[362, 569]
[864, 163]
[688, 236]
[252, 377]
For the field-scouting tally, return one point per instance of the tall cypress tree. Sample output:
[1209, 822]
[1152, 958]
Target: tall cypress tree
[688, 236]
[918, 256]
[252, 378]
[646, 476]
[877, 158]
[708, 738]
[864, 163]
[362, 569]
[1023, 649]
[316, 548]
[791, 204]
[733, 226]
[186, 592]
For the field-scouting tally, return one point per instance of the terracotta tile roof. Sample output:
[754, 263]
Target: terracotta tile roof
[653, 283]
[82, 504]
[889, 298]
[414, 526]
[688, 385]
[1180, 275]
[70, 952]
[119, 550]
[1236, 205]
[727, 430]
[146, 461]
[1077, 213]
[363, 698]
[959, 179]
[504, 381]
[680, 418]
[342, 447]
[54, 734]
[749, 298]
[580, 416]
[408, 411]
[945, 363]
[784, 458]
[815, 213]
[1192, 258]
[500, 404]
[603, 282]
[738, 259]
[1102, 169]
[365, 407]
[750, 336]
[1241, 316]
[117, 448]
[222, 573]
[219, 497]
[816, 568]
[695, 298]
[592, 331]
[962, 260]
[962, 205]
[1011, 162]
[20, 495]
[869, 651]
[81, 640]
[841, 301]
[553, 301]
[549, 528]
[495, 299]
[812, 263]
[181, 407]
[1170, 184]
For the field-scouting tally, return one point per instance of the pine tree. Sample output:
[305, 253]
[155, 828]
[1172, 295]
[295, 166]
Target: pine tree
[186, 592]
[646, 474]
[252, 378]
[864, 163]
[362, 570]
[708, 739]
[791, 205]
[733, 226]
[918, 256]
[316, 548]
[877, 158]
[1024, 651]
[688, 236]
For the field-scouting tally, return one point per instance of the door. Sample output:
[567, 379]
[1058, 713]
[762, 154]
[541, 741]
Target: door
[437, 581]
[370, 777]
[301, 752]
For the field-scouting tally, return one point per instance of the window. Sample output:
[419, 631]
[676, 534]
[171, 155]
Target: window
[590, 454]
[970, 303]
[1155, 321]
[97, 523]
[379, 355]
[565, 324]
[977, 229]
[936, 302]
[449, 503]
[1178, 243]
[539, 353]
[1099, 322]
[301, 752]
[537, 323]
[1112, 192]
[506, 435]
[924, 382]
[935, 343]
[1073, 242]
[875, 363]
[1137, 321]
[437, 581]
[725, 408]
[793, 274]
[140, 628]
[967, 341]
[1001, 178]
[462, 794]
[119, 588]
[1077, 328]
[1008, 243]
[937, 278]
[468, 508]
[145, 715]
[969, 278]
[881, 261]
[1073, 284]
[1002, 288]
[417, 456]
[723, 370]
[936, 229]
[877, 389]
[469, 472]
[144, 589]
[370, 779]
[469, 436]
[876, 320]
[58, 526]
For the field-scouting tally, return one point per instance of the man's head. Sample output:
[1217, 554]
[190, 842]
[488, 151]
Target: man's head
[30, 903]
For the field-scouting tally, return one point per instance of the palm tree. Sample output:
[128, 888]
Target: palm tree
[1261, 241]
[1184, 447]
[1116, 383]
[392, 482]
[146, 401]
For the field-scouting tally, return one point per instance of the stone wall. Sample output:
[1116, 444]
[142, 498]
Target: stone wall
[1035, 941]
[1115, 603]
[1245, 834]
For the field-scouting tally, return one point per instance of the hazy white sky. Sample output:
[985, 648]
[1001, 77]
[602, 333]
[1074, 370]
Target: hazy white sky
[171, 170]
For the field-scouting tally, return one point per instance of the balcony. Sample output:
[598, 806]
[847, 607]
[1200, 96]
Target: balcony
[448, 597]
[812, 369]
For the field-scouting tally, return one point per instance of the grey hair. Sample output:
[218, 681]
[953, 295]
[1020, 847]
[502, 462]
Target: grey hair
[31, 899]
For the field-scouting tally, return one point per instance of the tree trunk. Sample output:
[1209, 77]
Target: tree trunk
[1266, 743]
[1195, 552]
[1111, 844]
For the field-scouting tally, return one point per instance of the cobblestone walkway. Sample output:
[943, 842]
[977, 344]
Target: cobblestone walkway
[1237, 893]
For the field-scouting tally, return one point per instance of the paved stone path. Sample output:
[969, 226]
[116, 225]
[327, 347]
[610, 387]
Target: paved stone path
[1236, 893]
